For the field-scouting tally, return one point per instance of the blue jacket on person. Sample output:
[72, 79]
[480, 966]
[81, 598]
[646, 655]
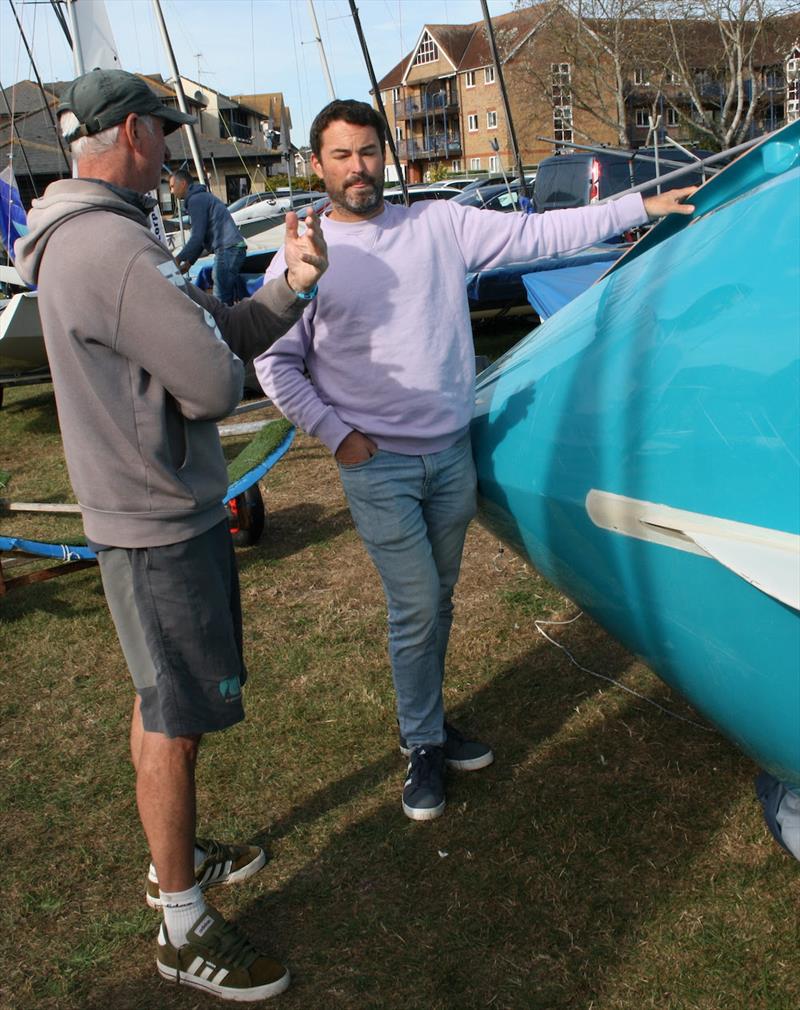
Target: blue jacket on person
[213, 228]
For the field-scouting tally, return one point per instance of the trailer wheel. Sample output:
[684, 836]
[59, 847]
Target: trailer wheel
[246, 517]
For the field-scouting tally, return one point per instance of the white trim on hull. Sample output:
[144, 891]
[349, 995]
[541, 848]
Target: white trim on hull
[768, 559]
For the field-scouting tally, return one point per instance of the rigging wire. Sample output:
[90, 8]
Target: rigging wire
[140, 63]
[303, 104]
[539, 624]
[39, 82]
[253, 45]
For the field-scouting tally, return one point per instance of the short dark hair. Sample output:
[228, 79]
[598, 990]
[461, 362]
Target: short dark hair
[182, 175]
[346, 110]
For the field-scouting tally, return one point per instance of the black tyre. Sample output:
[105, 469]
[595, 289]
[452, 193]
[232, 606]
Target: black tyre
[246, 517]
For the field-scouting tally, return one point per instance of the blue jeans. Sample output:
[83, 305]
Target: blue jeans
[227, 264]
[412, 513]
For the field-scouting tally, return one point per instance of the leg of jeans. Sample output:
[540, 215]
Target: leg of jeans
[448, 510]
[385, 497]
[227, 263]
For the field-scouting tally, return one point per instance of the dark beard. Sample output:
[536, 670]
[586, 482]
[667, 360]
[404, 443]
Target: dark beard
[360, 202]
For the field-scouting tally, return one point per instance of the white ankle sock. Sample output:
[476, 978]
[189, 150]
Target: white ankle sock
[182, 909]
[199, 856]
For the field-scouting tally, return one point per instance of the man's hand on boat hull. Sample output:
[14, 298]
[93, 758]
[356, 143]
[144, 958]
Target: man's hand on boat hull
[306, 254]
[669, 203]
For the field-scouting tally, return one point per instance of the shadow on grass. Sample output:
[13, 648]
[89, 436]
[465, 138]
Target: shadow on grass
[63, 597]
[542, 872]
[535, 885]
[35, 415]
[291, 530]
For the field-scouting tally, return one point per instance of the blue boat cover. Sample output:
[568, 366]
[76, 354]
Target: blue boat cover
[550, 290]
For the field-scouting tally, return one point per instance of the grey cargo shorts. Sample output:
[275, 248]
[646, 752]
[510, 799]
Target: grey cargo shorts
[178, 617]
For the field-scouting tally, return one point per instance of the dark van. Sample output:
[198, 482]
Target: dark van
[575, 180]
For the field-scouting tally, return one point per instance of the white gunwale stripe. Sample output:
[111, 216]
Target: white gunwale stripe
[766, 558]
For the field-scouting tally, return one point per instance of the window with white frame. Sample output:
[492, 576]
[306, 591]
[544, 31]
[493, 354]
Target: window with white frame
[494, 163]
[455, 166]
[395, 94]
[428, 51]
[670, 77]
[488, 75]
[491, 120]
[472, 122]
[398, 133]
[474, 164]
[642, 117]
[672, 116]
[640, 76]
[561, 95]
[469, 79]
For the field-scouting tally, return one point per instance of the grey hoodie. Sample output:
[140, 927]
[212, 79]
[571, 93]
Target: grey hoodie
[143, 364]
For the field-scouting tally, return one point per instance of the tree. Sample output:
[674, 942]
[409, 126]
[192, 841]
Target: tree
[710, 61]
[721, 52]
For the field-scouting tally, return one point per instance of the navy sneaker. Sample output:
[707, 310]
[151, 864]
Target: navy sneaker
[459, 753]
[423, 789]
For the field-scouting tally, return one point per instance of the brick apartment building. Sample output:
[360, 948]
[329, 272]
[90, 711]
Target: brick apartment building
[444, 107]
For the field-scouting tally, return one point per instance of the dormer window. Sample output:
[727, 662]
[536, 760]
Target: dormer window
[428, 51]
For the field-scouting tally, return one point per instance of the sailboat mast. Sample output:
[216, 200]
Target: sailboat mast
[41, 86]
[378, 99]
[498, 69]
[323, 58]
[77, 51]
[173, 68]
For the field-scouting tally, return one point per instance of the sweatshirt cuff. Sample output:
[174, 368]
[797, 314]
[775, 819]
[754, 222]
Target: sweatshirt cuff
[631, 208]
[331, 430]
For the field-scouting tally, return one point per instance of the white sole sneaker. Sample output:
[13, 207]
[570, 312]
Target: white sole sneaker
[215, 875]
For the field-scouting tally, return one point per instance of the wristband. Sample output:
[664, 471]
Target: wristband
[306, 296]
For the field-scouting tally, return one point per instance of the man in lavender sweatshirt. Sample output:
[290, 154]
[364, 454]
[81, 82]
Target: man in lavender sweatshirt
[381, 368]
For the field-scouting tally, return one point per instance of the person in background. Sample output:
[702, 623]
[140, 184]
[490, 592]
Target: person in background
[213, 229]
[382, 370]
[144, 365]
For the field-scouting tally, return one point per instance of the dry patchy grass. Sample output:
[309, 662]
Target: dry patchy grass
[612, 858]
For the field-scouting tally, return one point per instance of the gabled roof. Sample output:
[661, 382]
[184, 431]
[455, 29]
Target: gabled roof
[510, 32]
[466, 47]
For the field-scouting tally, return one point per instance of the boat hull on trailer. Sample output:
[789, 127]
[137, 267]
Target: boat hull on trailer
[21, 340]
[642, 448]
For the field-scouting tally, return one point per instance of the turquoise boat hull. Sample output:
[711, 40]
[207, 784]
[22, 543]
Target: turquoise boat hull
[642, 448]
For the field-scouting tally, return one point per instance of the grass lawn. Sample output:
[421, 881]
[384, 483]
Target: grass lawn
[612, 858]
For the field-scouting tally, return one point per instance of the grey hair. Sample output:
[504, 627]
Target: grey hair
[98, 143]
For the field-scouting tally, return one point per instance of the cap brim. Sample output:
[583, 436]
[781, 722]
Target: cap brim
[173, 118]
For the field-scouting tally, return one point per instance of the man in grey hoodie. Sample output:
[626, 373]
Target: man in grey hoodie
[143, 366]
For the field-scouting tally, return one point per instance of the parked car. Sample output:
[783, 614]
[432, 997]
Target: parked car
[417, 193]
[450, 184]
[584, 177]
[494, 197]
[497, 180]
[267, 205]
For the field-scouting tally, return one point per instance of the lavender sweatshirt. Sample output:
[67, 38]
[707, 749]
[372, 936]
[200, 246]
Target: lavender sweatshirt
[386, 347]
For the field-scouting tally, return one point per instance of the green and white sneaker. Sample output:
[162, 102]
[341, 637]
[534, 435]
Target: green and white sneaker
[224, 864]
[220, 960]
[459, 753]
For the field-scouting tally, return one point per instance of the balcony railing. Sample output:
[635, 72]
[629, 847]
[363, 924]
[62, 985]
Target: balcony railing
[433, 146]
[423, 104]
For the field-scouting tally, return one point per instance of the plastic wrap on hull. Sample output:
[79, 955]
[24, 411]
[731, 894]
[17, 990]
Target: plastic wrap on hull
[642, 447]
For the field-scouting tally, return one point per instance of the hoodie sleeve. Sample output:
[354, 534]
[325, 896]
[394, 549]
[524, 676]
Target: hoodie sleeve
[252, 325]
[174, 339]
[488, 239]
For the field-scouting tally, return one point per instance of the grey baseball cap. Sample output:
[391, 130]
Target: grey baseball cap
[103, 98]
